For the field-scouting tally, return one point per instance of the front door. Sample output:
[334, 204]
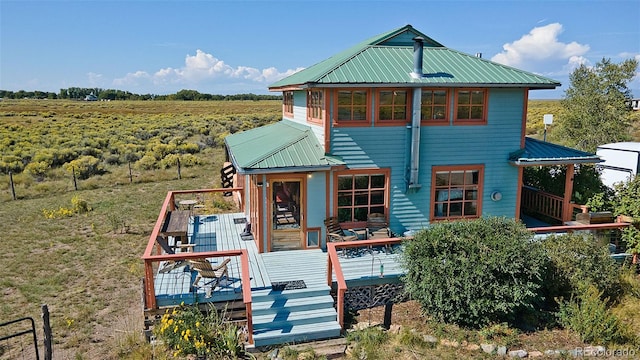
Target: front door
[287, 213]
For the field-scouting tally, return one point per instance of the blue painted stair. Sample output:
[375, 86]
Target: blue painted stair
[293, 316]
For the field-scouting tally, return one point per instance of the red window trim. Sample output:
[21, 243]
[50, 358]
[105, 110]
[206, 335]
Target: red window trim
[310, 117]
[286, 105]
[436, 169]
[387, 176]
[352, 123]
[485, 99]
[438, 122]
[408, 108]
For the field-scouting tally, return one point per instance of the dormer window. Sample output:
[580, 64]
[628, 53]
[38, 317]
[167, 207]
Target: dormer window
[352, 107]
[393, 107]
[315, 106]
[287, 103]
[471, 107]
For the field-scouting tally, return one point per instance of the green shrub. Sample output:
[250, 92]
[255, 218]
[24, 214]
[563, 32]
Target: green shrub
[367, 342]
[577, 260]
[475, 273]
[37, 169]
[147, 162]
[84, 167]
[187, 331]
[589, 316]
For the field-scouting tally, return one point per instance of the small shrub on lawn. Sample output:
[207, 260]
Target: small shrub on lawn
[368, 343]
[578, 260]
[589, 316]
[475, 273]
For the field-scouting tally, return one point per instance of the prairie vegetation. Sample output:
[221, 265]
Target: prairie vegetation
[79, 251]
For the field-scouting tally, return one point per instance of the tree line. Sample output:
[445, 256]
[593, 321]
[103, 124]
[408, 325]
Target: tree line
[77, 93]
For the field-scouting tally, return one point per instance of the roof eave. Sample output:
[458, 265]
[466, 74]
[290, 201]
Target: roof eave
[548, 162]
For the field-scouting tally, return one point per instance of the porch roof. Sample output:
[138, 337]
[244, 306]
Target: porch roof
[538, 152]
[281, 147]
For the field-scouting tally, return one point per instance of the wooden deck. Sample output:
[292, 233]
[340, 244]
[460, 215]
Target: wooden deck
[223, 232]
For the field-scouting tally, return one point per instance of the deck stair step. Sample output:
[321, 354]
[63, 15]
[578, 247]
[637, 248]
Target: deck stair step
[293, 316]
[284, 318]
[295, 304]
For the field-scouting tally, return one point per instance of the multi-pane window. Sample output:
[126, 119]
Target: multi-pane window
[287, 102]
[360, 195]
[351, 105]
[456, 192]
[471, 106]
[393, 105]
[434, 106]
[315, 106]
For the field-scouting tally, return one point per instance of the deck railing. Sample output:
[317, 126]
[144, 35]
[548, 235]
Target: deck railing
[543, 203]
[333, 264]
[153, 254]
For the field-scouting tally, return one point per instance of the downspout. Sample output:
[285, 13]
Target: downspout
[416, 114]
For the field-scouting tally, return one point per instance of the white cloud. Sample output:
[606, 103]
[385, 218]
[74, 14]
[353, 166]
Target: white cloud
[541, 45]
[203, 69]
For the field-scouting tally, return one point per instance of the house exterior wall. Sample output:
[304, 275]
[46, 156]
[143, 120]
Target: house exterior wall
[488, 145]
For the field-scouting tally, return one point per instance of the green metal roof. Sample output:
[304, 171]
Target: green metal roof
[280, 147]
[388, 59]
[538, 152]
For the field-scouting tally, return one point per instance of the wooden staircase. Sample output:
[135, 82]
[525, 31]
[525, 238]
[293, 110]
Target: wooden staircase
[296, 315]
[293, 316]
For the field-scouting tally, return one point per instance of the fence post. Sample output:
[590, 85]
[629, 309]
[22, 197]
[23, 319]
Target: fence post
[75, 183]
[130, 174]
[13, 189]
[179, 175]
[48, 351]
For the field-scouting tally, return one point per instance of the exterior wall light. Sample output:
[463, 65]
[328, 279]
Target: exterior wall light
[496, 196]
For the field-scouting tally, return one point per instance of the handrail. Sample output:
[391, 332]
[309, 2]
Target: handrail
[334, 263]
[244, 274]
[167, 205]
[569, 228]
[542, 202]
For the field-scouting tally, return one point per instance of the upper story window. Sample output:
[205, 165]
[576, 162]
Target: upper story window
[471, 107]
[315, 106]
[456, 192]
[435, 107]
[393, 106]
[352, 106]
[287, 102]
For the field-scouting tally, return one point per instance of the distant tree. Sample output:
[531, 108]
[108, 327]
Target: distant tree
[595, 111]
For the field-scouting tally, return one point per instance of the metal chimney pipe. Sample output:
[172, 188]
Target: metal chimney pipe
[417, 56]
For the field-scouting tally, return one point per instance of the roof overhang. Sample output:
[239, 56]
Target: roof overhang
[541, 153]
[282, 147]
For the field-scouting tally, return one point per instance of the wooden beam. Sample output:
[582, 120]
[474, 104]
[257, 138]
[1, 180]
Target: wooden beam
[567, 210]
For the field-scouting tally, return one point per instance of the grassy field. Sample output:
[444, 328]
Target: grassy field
[87, 266]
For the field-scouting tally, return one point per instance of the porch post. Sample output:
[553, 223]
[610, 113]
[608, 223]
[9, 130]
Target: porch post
[568, 192]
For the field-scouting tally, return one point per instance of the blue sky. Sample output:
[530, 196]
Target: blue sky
[230, 47]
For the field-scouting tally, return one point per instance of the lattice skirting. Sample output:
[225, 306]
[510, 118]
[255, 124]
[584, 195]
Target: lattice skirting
[365, 297]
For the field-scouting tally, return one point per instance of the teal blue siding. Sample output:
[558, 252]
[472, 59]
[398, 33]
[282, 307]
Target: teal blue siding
[299, 107]
[488, 145]
[316, 203]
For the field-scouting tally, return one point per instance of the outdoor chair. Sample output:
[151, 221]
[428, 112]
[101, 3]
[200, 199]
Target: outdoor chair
[207, 271]
[377, 226]
[335, 233]
[168, 249]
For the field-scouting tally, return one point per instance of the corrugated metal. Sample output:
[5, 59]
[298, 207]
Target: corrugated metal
[538, 152]
[388, 59]
[278, 146]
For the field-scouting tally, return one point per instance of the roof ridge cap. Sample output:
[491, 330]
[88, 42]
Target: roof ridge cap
[303, 134]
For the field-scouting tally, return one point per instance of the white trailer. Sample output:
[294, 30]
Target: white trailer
[621, 162]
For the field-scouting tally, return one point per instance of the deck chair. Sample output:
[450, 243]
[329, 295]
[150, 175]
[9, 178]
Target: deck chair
[170, 264]
[377, 226]
[207, 271]
[335, 233]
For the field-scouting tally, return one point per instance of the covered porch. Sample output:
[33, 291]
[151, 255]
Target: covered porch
[537, 207]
